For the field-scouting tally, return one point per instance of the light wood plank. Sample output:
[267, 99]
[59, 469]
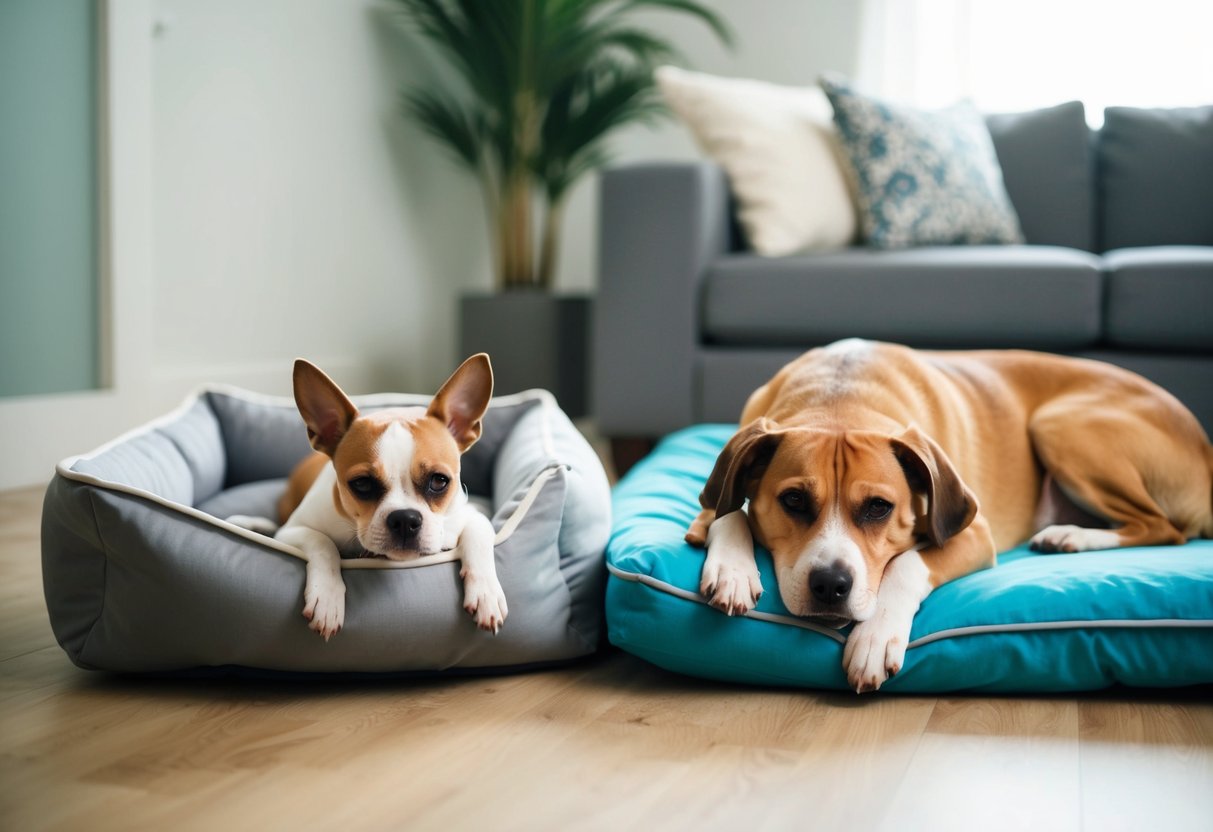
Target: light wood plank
[1147, 765]
[976, 754]
[24, 625]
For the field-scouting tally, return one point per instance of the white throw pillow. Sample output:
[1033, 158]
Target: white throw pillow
[780, 151]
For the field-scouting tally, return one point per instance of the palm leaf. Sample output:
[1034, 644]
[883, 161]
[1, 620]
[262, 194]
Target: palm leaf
[715, 22]
[469, 33]
[446, 121]
[585, 46]
[583, 114]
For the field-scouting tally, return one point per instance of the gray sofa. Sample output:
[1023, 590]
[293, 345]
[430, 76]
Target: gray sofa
[1118, 266]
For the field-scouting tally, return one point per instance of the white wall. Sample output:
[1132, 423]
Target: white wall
[270, 201]
[297, 212]
[267, 201]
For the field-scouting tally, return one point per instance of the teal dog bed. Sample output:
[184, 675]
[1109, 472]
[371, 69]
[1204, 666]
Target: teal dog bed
[1141, 617]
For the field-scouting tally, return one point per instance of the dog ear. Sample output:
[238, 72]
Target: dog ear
[325, 409]
[951, 506]
[741, 462]
[460, 402]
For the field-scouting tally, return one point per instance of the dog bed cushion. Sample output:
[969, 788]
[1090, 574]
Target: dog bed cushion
[1140, 617]
[142, 573]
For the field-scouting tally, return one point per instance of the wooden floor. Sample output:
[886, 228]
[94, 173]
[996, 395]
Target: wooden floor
[610, 743]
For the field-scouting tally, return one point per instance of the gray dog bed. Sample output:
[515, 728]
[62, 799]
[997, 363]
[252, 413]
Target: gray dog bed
[142, 573]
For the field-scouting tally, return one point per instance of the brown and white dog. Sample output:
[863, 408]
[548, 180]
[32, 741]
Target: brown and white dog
[387, 484]
[875, 473]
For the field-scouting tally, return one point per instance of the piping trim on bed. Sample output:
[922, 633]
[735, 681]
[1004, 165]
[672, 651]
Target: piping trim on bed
[953, 632]
[528, 500]
[65, 470]
[679, 592]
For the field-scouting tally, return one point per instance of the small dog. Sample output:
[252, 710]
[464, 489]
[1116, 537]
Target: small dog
[874, 473]
[387, 484]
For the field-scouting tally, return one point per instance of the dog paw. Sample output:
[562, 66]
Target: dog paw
[875, 651]
[324, 607]
[1073, 539]
[732, 589]
[485, 601]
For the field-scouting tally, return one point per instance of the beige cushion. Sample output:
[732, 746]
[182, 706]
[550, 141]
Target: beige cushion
[779, 149]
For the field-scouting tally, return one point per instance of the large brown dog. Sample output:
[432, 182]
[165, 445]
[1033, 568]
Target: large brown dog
[875, 473]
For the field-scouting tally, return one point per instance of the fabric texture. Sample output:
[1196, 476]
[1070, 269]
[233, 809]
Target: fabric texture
[1156, 177]
[1160, 297]
[1032, 297]
[662, 224]
[780, 151]
[922, 178]
[1140, 617]
[1048, 168]
[141, 572]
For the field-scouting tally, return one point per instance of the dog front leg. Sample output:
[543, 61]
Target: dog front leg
[483, 596]
[730, 578]
[876, 647]
[323, 590]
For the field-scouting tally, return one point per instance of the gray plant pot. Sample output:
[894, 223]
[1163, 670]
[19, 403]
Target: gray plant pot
[535, 339]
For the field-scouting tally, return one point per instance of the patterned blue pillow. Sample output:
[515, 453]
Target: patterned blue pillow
[923, 178]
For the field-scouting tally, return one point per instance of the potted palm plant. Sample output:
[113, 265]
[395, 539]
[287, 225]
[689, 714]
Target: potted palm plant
[543, 83]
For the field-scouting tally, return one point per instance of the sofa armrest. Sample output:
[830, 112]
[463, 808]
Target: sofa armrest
[659, 227]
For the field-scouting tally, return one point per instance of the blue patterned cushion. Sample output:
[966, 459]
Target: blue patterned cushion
[923, 178]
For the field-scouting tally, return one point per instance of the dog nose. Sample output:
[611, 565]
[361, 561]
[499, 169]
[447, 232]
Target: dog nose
[404, 523]
[830, 585]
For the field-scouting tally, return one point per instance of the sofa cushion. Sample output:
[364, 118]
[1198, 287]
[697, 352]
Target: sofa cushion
[1156, 177]
[1048, 169]
[1160, 297]
[968, 296]
[923, 178]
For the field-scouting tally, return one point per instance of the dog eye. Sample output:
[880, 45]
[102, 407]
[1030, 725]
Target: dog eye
[876, 509]
[795, 501]
[365, 488]
[438, 483]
